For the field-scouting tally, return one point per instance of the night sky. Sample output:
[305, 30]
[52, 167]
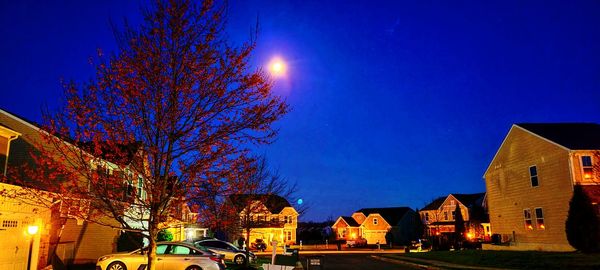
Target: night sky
[394, 103]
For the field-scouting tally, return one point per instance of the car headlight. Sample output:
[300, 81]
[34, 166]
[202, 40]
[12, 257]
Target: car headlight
[103, 258]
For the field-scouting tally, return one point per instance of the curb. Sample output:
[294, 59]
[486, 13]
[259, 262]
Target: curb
[408, 263]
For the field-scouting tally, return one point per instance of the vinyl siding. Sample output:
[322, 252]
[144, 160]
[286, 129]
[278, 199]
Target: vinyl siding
[509, 189]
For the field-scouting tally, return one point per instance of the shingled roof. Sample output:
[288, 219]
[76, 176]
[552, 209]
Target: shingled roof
[350, 221]
[574, 136]
[273, 202]
[435, 204]
[469, 200]
[391, 214]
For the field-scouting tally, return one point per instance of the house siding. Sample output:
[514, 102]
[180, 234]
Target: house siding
[509, 190]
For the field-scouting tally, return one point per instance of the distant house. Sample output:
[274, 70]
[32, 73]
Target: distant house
[373, 224]
[267, 217]
[439, 215]
[530, 182]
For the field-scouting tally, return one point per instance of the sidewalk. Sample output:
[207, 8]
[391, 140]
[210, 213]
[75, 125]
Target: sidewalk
[429, 264]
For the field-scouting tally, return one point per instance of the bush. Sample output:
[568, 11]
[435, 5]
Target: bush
[582, 225]
[164, 235]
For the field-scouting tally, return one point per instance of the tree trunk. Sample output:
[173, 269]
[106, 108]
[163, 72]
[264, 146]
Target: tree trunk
[152, 259]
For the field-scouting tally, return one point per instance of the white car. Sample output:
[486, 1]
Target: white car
[231, 252]
[170, 256]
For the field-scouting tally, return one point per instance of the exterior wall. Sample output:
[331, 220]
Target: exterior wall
[577, 173]
[278, 233]
[509, 189]
[375, 233]
[359, 217]
[85, 242]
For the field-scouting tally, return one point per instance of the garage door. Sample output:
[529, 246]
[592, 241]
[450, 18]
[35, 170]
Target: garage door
[14, 245]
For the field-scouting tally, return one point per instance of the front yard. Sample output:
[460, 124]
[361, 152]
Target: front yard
[510, 259]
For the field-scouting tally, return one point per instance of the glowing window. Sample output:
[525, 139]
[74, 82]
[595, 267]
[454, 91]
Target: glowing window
[539, 219]
[527, 217]
[586, 165]
[533, 175]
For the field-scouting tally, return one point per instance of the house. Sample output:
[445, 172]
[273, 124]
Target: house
[63, 238]
[439, 215]
[530, 182]
[373, 224]
[266, 216]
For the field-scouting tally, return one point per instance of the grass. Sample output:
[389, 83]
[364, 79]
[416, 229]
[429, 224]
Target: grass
[255, 265]
[511, 259]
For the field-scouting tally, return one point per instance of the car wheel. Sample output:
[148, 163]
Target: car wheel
[194, 267]
[116, 266]
[239, 259]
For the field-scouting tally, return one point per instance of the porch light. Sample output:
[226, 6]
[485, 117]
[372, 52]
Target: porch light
[32, 229]
[353, 235]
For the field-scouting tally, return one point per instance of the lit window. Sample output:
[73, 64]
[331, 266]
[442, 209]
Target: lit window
[586, 165]
[533, 175]
[539, 219]
[527, 217]
[452, 202]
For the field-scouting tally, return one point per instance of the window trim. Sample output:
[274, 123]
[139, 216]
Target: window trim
[537, 176]
[583, 167]
[537, 219]
[527, 218]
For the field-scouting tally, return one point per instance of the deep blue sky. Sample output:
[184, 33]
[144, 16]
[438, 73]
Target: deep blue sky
[394, 102]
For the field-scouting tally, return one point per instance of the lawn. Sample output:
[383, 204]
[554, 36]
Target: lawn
[511, 259]
[256, 265]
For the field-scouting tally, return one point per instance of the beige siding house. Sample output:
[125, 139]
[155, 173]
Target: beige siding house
[530, 182]
[373, 224]
[439, 215]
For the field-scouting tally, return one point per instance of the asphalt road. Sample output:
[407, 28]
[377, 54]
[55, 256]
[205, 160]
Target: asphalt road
[353, 262]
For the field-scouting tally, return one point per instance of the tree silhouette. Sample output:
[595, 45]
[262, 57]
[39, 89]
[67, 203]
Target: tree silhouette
[582, 225]
[459, 225]
[167, 120]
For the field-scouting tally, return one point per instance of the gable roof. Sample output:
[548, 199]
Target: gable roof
[274, 203]
[470, 200]
[435, 204]
[350, 221]
[574, 136]
[391, 214]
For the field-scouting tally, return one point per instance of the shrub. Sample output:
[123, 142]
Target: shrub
[582, 225]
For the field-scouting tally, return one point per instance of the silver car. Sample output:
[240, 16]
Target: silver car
[231, 252]
[170, 256]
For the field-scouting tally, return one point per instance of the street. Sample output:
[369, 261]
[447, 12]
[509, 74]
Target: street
[354, 262]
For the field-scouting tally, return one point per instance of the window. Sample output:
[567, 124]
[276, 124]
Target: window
[10, 224]
[289, 236]
[452, 202]
[586, 165]
[445, 215]
[290, 219]
[285, 219]
[527, 217]
[140, 188]
[533, 176]
[160, 249]
[179, 250]
[375, 221]
[453, 215]
[539, 219]
[426, 217]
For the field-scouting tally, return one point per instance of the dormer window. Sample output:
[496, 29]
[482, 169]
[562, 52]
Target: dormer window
[586, 166]
[533, 176]
[375, 221]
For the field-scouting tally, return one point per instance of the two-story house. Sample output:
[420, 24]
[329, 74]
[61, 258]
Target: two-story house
[373, 224]
[530, 182]
[266, 216]
[439, 216]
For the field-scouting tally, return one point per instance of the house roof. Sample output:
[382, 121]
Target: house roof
[274, 203]
[574, 136]
[469, 200]
[117, 153]
[350, 221]
[391, 214]
[435, 204]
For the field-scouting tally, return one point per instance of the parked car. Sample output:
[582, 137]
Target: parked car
[360, 242]
[421, 245]
[170, 255]
[231, 252]
[259, 244]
